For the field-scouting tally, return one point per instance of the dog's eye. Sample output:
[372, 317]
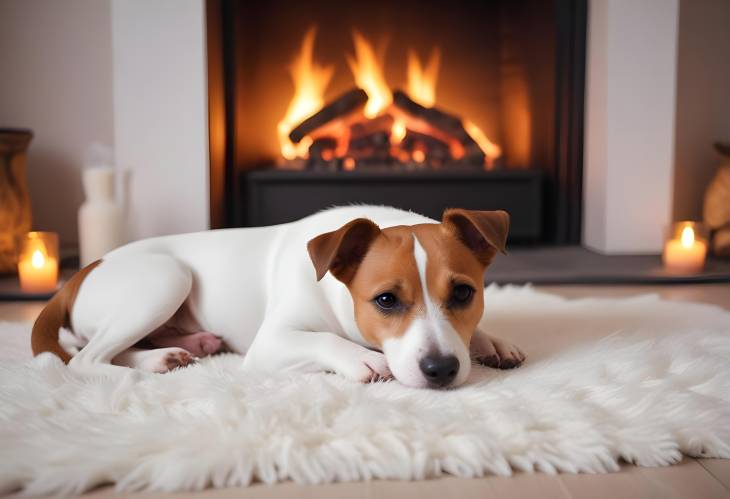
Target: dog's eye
[461, 295]
[386, 301]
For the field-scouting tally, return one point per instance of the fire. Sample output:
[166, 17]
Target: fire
[422, 80]
[422, 89]
[367, 66]
[310, 83]
[491, 150]
[688, 237]
[37, 260]
[397, 132]
[367, 69]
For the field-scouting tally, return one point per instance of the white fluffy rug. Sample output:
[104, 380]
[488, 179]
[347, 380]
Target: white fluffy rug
[638, 379]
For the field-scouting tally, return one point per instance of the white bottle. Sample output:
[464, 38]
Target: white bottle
[101, 218]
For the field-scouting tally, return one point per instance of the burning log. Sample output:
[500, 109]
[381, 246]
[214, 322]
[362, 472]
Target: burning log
[362, 129]
[340, 107]
[322, 153]
[445, 123]
[370, 141]
[323, 148]
[435, 151]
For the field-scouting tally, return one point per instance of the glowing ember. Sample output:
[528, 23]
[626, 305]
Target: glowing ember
[367, 69]
[422, 80]
[310, 82]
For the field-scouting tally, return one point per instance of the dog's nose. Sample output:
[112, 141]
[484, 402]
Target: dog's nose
[440, 370]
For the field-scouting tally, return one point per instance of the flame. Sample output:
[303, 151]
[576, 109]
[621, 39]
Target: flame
[367, 69]
[491, 150]
[37, 260]
[397, 132]
[310, 82]
[422, 80]
[688, 237]
[422, 89]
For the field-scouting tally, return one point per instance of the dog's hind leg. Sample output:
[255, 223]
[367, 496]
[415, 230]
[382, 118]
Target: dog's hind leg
[122, 301]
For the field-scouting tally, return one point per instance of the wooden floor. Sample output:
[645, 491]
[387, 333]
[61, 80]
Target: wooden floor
[691, 479]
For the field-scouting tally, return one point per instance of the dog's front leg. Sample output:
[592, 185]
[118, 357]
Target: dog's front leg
[276, 349]
[493, 352]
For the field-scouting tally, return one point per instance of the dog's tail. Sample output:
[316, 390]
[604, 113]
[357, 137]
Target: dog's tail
[56, 315]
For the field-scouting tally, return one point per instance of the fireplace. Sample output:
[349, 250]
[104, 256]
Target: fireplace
[417, 104]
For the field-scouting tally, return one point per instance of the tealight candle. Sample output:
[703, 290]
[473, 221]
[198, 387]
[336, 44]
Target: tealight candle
[685, 250]
[38, 262]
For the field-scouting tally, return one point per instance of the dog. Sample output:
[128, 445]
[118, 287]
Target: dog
[367, 292]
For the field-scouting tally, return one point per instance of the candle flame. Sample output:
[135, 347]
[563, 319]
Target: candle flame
[37, 260]
[688, 237]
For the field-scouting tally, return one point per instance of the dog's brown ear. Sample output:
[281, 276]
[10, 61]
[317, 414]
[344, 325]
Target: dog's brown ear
[483, 232]
[342, 250]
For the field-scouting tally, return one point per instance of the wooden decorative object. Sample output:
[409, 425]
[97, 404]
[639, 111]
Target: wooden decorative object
[717, 204]
[15, 216]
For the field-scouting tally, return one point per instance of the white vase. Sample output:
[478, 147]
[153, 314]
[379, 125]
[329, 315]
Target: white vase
[101, 218]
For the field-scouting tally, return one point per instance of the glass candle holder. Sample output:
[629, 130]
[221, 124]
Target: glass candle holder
[38, 262]
[686, 248]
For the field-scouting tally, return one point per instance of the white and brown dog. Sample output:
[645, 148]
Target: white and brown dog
[363, 291]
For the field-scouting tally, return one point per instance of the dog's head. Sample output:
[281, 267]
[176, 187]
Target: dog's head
[417, 290]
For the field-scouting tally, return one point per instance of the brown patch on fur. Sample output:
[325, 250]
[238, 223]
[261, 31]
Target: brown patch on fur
[56, 314]
[341, 251]
[178, 359]
[483, 232]
[388, 266]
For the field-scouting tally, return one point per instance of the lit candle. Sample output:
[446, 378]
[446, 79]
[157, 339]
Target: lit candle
[685, 254]
[38, 263]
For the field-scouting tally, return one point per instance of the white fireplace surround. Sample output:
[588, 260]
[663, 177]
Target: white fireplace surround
[152, 53]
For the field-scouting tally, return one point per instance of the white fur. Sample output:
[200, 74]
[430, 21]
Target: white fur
[640, 379]
[256, 288]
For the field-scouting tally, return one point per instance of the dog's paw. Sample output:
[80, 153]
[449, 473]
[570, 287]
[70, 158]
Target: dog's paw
[509, 355]
[368, 367]
[492, 352]
[172, 359]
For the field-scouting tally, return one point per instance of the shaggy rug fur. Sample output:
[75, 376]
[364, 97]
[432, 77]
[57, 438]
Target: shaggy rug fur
[639, 379]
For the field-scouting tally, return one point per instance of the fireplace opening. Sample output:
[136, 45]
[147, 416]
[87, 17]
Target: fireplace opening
[417, 104]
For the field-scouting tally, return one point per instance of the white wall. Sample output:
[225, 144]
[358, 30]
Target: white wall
[127, 73]
[630, 103]
[56, 78]
[160, 112]
[703, 100]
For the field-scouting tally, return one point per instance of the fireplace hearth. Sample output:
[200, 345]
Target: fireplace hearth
[422, 105]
